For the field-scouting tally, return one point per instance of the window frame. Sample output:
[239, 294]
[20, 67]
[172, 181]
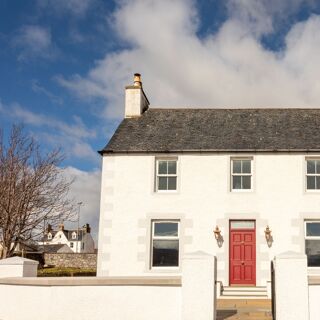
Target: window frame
[157, 174]
[310, 238]
[241, 174]
[153, 237]
[305, 230]
[310, 174]
[74, 235]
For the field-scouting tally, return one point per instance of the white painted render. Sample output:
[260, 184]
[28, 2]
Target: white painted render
[90, 302]
[135, 102]
[202, 201]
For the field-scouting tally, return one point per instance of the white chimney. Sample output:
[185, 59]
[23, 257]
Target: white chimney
[136, 101]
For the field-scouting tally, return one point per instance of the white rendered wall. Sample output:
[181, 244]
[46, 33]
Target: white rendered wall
[314, 305]
[89, 302]
[203, 200]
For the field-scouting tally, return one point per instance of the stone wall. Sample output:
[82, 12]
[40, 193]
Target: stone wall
[71, 260]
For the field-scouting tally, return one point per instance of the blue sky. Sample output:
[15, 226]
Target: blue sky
[64, 65]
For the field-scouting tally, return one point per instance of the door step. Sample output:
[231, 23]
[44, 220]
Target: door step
[244, 293]
[248, 309]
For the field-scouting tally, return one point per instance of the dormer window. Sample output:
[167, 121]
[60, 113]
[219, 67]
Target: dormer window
[49, 236]
[74, 235]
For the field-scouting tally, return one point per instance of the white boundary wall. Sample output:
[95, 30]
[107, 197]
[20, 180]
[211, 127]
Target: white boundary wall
[314, 294]
[121, 298]
[296, 293]
[94, 302]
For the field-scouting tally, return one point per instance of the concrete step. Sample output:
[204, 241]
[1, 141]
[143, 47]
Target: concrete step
[244, 293]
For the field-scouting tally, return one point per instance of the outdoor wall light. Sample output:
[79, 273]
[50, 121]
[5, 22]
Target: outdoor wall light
[268, 236]
[218, 236]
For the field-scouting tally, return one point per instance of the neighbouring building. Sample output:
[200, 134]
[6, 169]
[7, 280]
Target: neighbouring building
[64, 241]
[240, 184]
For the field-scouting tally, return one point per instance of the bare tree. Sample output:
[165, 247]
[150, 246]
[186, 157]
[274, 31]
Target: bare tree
[32, 190]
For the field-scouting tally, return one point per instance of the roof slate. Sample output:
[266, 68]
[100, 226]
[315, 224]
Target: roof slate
[214, 130]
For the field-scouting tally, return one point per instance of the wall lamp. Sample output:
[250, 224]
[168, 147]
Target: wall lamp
[268, 236]
[218, 236]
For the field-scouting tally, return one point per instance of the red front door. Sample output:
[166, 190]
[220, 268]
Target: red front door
[242, 253]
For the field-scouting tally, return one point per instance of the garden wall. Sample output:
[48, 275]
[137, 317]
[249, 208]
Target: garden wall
[71, 260]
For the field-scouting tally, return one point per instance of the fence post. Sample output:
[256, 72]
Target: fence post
[291, 286]
[198, 286]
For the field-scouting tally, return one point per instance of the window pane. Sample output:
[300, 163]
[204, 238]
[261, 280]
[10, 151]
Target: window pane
[162, 183]
[172, 183]
[313, 252]
[236, 166]
[165, 253]
[163, 167]
[246, 166]
[236, 182]
[172, 167]
[317, 166]
[246, 182]
[311, 183]
[242, 224]
[317, 182]
[311, 166]
[313, 229]
[165, 229]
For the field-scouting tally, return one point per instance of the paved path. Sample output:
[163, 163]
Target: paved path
[248, 309]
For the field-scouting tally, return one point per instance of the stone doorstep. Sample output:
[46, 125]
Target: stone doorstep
[240, 303]
[246, 309]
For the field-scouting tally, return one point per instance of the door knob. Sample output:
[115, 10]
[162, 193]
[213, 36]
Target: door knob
[242, 262]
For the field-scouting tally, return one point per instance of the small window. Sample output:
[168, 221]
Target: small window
[49, 236]
[241, 174]
[71, 244]
[312, 242]
[313, 174]
[74, 235]
[166, 175]
[165, 244]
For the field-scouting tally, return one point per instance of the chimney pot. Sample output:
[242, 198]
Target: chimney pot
[137, 80]
[61, 227]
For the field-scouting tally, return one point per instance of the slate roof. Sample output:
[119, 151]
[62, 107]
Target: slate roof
[214, 130]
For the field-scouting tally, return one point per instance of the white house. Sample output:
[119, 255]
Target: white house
[79, 241]
[241, 184]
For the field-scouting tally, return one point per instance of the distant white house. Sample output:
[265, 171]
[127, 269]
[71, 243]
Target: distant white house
[79, 241]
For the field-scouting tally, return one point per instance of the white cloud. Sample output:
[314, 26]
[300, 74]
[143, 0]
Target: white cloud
[229, 68]
[34, 41]
[73, 137]
[75, 7]
[86, 189]
[36, 87]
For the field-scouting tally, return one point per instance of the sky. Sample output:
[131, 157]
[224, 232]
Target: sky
[64, 65]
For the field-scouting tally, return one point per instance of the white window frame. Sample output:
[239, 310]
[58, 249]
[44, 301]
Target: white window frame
[310, 174]
[157, 175]
[305, 230]
[74, 235]
[49, 236]
[310, 237]
[71, 244]
[153, 237]
[241, 174]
